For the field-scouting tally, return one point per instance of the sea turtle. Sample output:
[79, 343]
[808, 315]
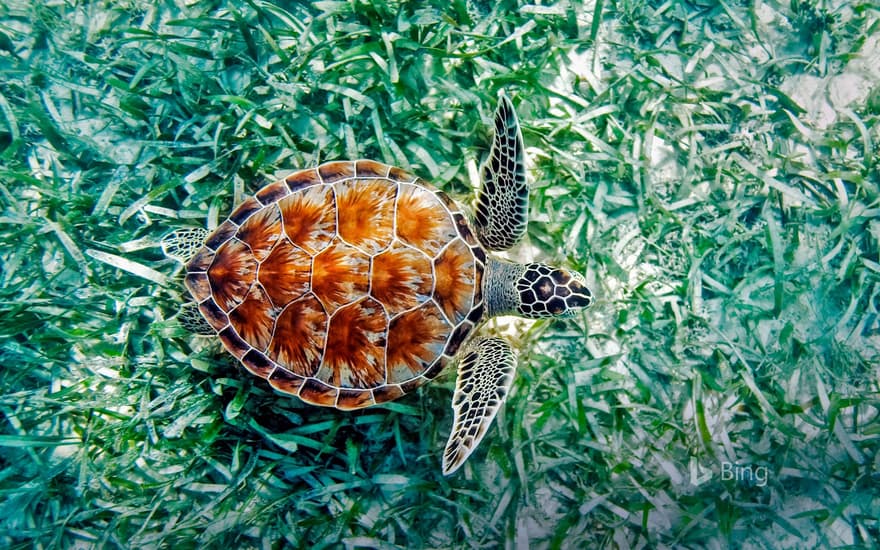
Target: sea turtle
[354, 283]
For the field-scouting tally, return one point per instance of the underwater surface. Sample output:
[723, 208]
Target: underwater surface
[711, 169]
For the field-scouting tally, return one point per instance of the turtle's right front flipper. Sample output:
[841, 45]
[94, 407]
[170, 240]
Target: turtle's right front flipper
[485, 374]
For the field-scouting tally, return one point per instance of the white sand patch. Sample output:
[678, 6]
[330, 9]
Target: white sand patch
[824, 98]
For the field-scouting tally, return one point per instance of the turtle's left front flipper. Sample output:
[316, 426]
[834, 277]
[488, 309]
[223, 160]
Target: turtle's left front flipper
[503, 201]
[485, 374]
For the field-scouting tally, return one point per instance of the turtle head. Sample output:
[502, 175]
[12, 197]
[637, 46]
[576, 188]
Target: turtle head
[546, 291]
[533, 290]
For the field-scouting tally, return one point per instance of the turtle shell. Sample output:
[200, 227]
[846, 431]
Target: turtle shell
[347, 285]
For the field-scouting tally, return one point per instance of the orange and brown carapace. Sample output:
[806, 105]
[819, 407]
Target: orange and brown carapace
[353, 283]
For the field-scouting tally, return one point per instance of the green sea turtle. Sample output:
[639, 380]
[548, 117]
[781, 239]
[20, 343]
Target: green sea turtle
[353, 283]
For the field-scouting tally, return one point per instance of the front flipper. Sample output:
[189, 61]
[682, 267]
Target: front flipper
[485, 374]
[503, 201]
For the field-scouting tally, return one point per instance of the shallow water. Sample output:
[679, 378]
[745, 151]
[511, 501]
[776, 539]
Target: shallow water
[711, 169]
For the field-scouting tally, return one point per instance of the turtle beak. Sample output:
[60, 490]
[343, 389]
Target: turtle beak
[571, 293]
[581, 296]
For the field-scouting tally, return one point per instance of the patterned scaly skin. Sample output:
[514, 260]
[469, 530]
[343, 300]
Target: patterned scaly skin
[534, 290]
[503, 200]
[485, 374]
[486, 369]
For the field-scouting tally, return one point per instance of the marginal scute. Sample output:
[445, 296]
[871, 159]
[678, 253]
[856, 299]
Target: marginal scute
[351, 399]
[476, 314]
[309, 217]
[318, 393]
[271, 193]
[340, 275]
[436, 368]
[479, 271]
[300, 333]
[220, 235]
[233, 342]
[371, 169]
[212, 313]
[479, 254]
[355, 352]
[458, 338]
[244, 210]
[335, 171]
[365, 210]
[201, 261]
[285, 274]
[198, 285]
[443, 197]
[400, 175]
[412, 385]
[257, 363]
[232, 273]
[386, 393]
[301, 179]
[465, 231]
[422, 221]
[285, 381]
